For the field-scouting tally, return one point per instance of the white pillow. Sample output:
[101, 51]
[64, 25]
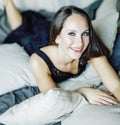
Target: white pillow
[107, 7]
[52, 5]
[17, 73]
[44, 108]
[106, 28]
[106, 22]
[95, 115]
[88, 78]
[14, 68]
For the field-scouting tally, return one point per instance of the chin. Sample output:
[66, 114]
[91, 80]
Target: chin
[76, 57]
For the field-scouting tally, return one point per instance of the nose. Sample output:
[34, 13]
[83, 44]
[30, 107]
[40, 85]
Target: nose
[79, 41]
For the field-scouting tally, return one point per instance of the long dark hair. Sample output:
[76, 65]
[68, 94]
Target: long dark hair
[95, 48]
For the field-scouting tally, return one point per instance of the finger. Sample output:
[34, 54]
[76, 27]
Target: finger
[108, 96]
[107, 100]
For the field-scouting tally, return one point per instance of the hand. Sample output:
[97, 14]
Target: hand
[97, 96]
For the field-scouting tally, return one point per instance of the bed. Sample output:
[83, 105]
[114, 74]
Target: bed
[20, 100]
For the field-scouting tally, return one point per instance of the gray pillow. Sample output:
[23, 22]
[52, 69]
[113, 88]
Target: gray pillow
[92, 8]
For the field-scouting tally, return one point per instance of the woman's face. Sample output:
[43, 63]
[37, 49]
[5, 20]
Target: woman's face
[74, 36]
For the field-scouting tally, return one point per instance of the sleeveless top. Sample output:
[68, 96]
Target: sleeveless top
[57, 75]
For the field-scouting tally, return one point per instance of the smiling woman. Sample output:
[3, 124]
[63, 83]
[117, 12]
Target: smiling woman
[72, 44]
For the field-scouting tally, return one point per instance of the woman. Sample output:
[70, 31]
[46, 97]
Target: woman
[73, 44]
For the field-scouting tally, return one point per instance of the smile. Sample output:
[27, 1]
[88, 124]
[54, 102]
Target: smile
[77, 50]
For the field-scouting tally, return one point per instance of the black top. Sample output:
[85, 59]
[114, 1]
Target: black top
[57, 75]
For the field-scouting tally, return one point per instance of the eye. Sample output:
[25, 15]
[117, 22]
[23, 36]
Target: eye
[71, 33]
[85, 34]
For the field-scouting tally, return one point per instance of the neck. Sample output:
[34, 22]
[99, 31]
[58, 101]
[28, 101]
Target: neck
[63, 58]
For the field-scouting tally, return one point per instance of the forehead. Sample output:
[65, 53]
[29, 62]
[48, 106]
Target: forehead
[76, 20]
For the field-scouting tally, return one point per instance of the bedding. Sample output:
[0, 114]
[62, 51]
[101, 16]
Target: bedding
[17, 83]
[50, 107]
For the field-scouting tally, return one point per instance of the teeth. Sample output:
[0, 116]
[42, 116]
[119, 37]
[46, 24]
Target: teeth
[77, 49]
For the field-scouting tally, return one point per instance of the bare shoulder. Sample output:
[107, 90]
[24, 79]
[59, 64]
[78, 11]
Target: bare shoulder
[37, 62]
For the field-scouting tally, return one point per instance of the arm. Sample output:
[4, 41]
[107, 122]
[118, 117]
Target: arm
[13, 15]
[41, 73]
[107, 74]
[110, 80]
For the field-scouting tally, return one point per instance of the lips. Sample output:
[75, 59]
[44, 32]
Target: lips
[77, 50]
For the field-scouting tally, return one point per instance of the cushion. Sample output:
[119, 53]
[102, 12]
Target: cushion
[88, 78]
[106, 28]
[50, 107]
[106, 8]
[17, 74]
[14, 68]
[95, 115]
[106, 22]
[52, 5]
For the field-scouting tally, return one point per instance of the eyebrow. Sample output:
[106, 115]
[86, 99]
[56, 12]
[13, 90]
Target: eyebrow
[87, 30]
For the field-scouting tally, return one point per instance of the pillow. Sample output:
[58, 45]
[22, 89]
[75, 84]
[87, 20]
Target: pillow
[52, 5]
[88, 78]
[107, 7]
[95, 115]
[50, 107]
[106, 22]
[106, 28]
[17, 74]
[14, 68]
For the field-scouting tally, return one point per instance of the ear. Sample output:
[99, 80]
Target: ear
[57, 41]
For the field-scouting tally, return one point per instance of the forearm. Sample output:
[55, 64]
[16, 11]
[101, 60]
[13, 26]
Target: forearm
[13, 15]
[107, 74]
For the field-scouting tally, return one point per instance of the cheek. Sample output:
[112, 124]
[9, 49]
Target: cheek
[70, 40]
[67, 41]
[86, 42]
